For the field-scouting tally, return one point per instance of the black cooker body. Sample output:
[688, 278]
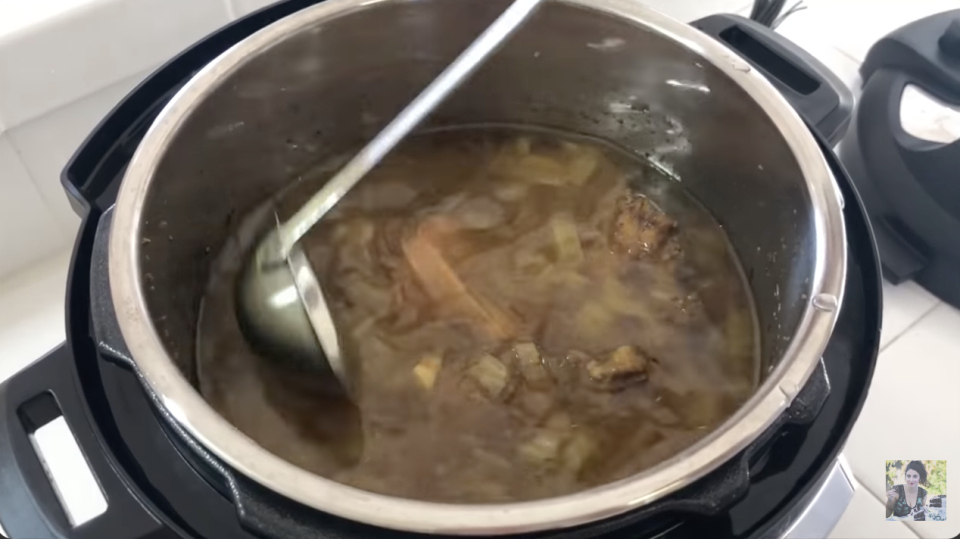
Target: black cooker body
[159, 482]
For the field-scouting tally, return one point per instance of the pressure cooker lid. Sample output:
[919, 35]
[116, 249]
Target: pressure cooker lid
[907, 173]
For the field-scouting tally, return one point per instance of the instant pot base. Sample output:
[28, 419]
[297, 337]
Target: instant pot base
[160, 483]
[160, 486]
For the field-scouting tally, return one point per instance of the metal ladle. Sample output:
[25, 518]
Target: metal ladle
[281, 307]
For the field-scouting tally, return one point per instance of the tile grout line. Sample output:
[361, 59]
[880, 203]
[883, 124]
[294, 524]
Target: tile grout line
[63, 237]
[913, 324]
[231, 11]
[919, 319]
[849, 56]
[872, 493]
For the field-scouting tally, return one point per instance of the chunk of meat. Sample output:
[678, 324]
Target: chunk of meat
[626, 365]
[642, 229]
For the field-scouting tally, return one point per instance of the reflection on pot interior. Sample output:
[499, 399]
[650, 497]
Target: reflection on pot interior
[529, 314]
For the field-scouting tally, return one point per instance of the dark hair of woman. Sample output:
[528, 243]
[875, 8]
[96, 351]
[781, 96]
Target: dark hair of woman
[921, 470]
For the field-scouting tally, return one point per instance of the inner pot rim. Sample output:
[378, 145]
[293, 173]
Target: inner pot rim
[198, 418]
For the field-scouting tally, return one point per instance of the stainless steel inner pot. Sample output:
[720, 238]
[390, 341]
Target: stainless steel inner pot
[327, 78]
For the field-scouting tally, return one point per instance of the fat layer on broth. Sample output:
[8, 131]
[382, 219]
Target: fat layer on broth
[530, 314]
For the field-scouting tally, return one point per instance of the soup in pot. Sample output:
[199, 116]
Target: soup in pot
[527, 313]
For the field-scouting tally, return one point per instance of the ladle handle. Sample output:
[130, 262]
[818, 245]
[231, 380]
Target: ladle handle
[469, 60]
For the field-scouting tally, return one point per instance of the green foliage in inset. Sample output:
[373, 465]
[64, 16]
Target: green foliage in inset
[893, 471]
[936, 475]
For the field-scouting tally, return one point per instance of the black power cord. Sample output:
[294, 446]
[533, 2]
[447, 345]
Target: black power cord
[798, 6]
[766, 12]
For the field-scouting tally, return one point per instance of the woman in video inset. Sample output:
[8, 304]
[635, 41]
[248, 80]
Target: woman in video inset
[905, 501]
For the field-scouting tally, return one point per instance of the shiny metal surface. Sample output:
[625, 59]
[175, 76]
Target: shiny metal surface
[304, 331]
[283, 313]
[324, 80]
[817, 517]
[409, 118]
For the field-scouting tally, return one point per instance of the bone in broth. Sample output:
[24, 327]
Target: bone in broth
[528, 313]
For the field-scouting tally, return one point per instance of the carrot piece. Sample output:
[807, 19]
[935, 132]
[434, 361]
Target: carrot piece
[435, 274]
[443, 285]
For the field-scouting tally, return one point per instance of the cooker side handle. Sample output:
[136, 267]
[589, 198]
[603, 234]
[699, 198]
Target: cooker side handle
[264, 513]
[818, 95]
[29, 504]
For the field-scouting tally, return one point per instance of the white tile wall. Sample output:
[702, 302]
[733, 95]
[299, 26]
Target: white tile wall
[46, 143]
[690, 10]
[863, 519]
[101, 42]
[854, 25]
[63, 65]
[17, 15]
[28, 230]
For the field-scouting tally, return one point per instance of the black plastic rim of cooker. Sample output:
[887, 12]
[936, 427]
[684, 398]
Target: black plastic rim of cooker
[96, 392]
[159, 490]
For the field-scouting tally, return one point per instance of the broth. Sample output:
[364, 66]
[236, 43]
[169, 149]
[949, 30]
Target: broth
[528, 314]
